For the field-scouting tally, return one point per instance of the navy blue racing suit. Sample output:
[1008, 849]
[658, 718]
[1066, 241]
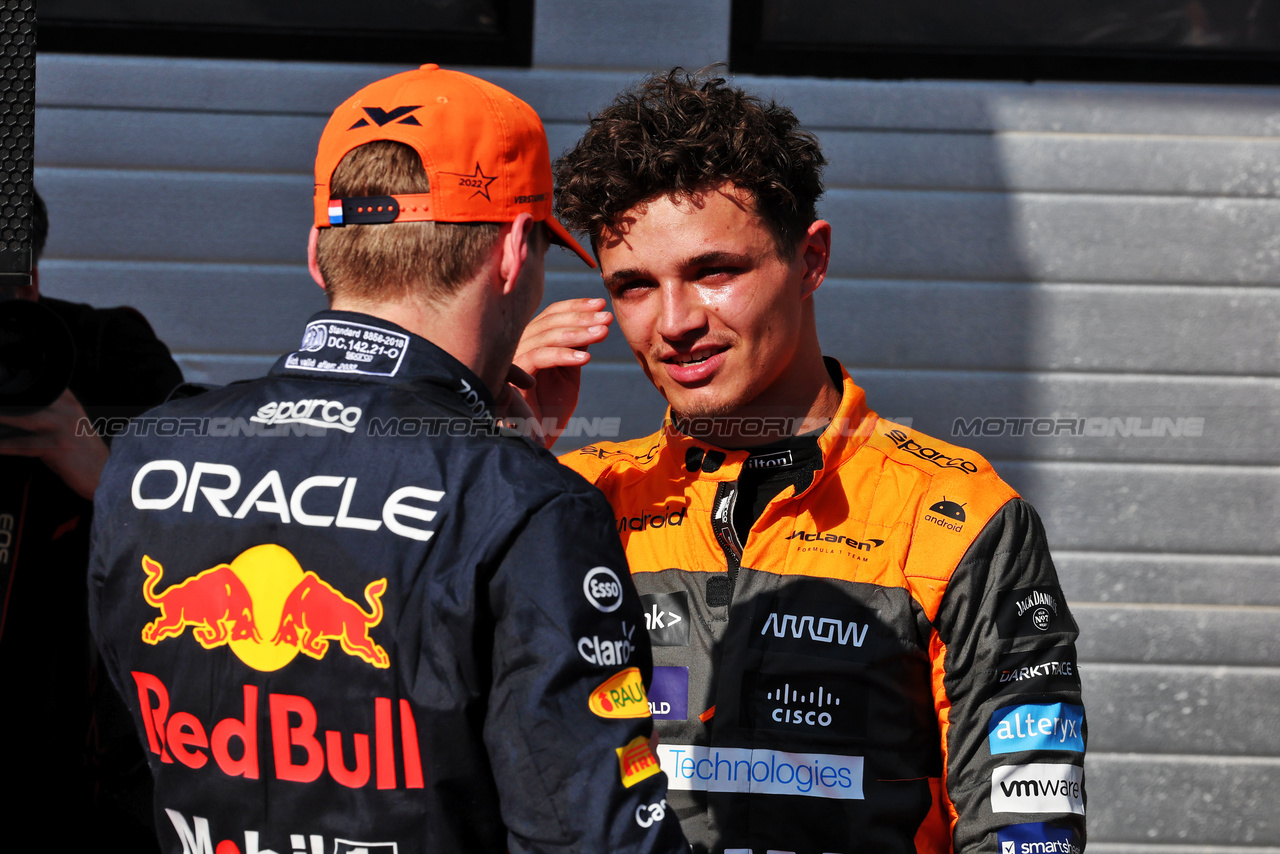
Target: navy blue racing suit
[347, 612]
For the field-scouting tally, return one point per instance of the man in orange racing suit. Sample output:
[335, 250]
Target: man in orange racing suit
[859, 636]
[347, 611]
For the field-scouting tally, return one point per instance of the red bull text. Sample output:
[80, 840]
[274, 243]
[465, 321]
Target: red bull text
[233, 742]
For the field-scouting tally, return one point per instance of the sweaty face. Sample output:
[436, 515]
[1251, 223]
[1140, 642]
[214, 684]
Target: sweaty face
[712, 313]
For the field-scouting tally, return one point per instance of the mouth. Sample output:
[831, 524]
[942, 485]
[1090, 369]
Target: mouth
[695, 366]
[686, 361]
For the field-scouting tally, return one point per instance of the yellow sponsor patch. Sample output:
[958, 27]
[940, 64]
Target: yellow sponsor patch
[621, 696]
[636, 761]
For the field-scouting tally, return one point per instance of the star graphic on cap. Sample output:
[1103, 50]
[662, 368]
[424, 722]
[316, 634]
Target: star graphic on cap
[477, 179]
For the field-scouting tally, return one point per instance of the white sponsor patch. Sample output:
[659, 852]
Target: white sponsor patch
[603, 589]
[329, 414]
[337, 346]
[1039, 787]
[761, 772]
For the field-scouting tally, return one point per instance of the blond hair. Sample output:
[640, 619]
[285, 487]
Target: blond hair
[398, 260]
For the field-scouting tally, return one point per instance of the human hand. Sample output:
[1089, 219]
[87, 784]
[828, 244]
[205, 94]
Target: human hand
[513, 412]
[60, 436]
[553, 350]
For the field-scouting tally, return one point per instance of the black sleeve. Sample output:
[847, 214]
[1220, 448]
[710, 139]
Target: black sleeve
[1016, 736]
[122, 368]
[568, 713]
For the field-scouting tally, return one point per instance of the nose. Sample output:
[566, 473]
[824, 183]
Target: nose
[683, 312]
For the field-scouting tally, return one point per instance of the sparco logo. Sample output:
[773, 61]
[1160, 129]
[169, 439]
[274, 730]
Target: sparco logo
[668, 517]
[906, 443]
[316, 413]
[603, 589]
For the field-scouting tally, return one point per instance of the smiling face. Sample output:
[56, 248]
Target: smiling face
[721, 324]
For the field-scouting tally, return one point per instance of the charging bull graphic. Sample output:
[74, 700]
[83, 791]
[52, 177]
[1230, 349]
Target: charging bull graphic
[264, 593]
[316, 613]
[215, 601]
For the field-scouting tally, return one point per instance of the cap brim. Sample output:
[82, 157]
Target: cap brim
[560, 235]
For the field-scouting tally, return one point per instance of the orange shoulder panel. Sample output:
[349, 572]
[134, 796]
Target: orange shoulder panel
[963, 492]
[596, 461]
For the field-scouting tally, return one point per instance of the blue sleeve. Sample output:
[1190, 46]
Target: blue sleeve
[568, 714]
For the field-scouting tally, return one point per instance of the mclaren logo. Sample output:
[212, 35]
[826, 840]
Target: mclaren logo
[381, 117]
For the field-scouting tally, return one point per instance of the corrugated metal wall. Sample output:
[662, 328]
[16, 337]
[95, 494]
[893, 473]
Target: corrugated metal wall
[1073, 275]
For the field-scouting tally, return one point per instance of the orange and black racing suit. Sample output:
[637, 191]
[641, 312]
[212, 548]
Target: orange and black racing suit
[885, 664]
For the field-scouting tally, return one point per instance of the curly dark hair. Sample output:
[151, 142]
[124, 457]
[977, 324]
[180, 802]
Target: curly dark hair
[681, 133]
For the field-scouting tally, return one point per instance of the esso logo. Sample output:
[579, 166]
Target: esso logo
[647, 814]
[603, 589]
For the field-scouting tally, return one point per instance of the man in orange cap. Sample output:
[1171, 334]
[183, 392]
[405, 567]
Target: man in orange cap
[350, 612]
[859, 636]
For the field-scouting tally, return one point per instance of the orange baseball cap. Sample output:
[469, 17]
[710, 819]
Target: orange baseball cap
[484, 151]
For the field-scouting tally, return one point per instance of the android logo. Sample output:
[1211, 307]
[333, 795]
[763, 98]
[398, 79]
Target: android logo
[950, 509]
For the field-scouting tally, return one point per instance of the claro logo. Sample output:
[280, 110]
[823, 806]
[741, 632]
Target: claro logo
[161, 484]
[330, 414]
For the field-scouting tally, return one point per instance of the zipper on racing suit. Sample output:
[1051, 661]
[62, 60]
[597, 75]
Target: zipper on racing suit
[722, 527]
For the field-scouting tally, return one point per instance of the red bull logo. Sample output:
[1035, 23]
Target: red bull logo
[295, 749]
[266, 609]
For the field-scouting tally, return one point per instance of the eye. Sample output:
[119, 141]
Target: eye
[721, 271]
[629, 287]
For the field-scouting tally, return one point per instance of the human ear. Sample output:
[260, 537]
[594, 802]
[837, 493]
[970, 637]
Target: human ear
[815, 254]
[516, 245]
[313, 266]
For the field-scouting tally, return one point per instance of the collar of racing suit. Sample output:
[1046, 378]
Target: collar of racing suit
[388, 353]
[848, 431]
